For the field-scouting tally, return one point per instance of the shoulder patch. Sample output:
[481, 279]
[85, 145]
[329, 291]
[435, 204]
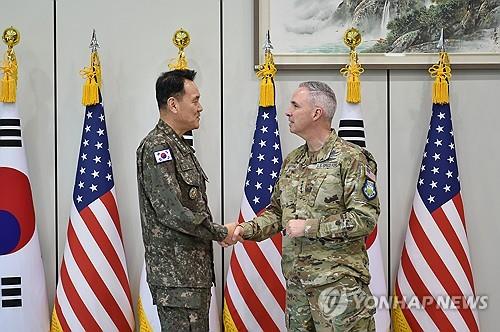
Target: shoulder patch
[163, 155]
[369, 174]
[369, 189]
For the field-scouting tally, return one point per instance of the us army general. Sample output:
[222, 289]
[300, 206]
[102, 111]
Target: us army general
[326, 201]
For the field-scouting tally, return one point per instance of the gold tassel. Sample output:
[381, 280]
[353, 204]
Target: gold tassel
[352, 71]
[266, 73]
[353, 90]
[8, 85]
[442, 74]
[179, 63]
[92, 75]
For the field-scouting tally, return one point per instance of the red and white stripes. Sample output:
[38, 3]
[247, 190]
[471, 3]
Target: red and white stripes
[93, 293]
[255, 289]
[435, 267]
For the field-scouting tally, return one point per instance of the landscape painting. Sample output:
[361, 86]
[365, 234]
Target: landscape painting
[394, 31]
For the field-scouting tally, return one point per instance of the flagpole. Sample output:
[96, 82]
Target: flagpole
[351, 128]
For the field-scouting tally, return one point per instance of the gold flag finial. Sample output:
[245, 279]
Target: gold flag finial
[181, 40]
[8, 85]
[352, 71]
[266, 74]
[92, 75]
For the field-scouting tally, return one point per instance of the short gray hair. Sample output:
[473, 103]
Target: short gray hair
[321, 95]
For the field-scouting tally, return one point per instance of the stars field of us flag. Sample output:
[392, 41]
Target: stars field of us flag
[434, 288]
[254, 297]
[23, 293]
[93, 293]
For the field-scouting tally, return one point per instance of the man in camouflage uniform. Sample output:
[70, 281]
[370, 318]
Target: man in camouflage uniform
[177, 225]
[326, 203]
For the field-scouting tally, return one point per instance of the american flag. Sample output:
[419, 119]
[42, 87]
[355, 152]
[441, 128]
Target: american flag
[93, 293]
[255, 289]
[435, 262]
[351, 128]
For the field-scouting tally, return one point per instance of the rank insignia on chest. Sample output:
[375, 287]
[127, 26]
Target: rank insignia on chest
[162, 156]
[369, 189]
[193, 193]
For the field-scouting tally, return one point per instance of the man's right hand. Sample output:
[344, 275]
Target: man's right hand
[238, 234]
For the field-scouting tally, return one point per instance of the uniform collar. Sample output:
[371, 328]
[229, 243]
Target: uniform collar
[323, 153]
[178, 140]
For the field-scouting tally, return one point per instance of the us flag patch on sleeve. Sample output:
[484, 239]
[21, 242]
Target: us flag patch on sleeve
[163, 155]
[370, 174]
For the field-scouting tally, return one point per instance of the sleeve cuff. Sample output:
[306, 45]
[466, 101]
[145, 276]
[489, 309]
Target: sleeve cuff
[247, 230]
[311, 228]
[221, 232]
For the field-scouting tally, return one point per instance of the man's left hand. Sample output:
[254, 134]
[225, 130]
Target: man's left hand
[295, 228]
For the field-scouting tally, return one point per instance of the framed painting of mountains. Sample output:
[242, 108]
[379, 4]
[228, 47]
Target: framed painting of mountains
[395, 33]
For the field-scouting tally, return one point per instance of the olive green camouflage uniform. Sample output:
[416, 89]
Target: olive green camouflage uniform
[334, 191]
[177, 229]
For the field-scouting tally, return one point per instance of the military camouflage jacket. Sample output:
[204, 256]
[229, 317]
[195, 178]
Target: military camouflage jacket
[177, 227]
[334, 190]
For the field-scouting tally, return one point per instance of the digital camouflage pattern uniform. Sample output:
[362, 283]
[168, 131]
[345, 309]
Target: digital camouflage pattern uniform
[327, 269]
[177, 229]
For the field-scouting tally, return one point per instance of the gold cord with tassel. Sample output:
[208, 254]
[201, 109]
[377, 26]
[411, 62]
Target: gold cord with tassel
[8, 84]
[92, 75]
[266, 74]
[9, 81]
[442, 74]
[352, 72]
[180, 62]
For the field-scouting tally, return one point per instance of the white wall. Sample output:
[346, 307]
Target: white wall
[135, 39]
[136, 46]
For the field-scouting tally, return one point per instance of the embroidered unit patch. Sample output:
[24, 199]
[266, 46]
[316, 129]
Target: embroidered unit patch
[369, 189]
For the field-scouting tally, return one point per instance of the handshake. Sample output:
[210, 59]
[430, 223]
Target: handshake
[234, 234]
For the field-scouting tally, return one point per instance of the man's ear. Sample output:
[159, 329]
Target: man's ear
[318, 112]
[172, 104]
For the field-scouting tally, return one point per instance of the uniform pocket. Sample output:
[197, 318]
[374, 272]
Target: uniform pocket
[190, 177]
[326, 190]
[288, 194]
[313, 187]
[188, 172]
